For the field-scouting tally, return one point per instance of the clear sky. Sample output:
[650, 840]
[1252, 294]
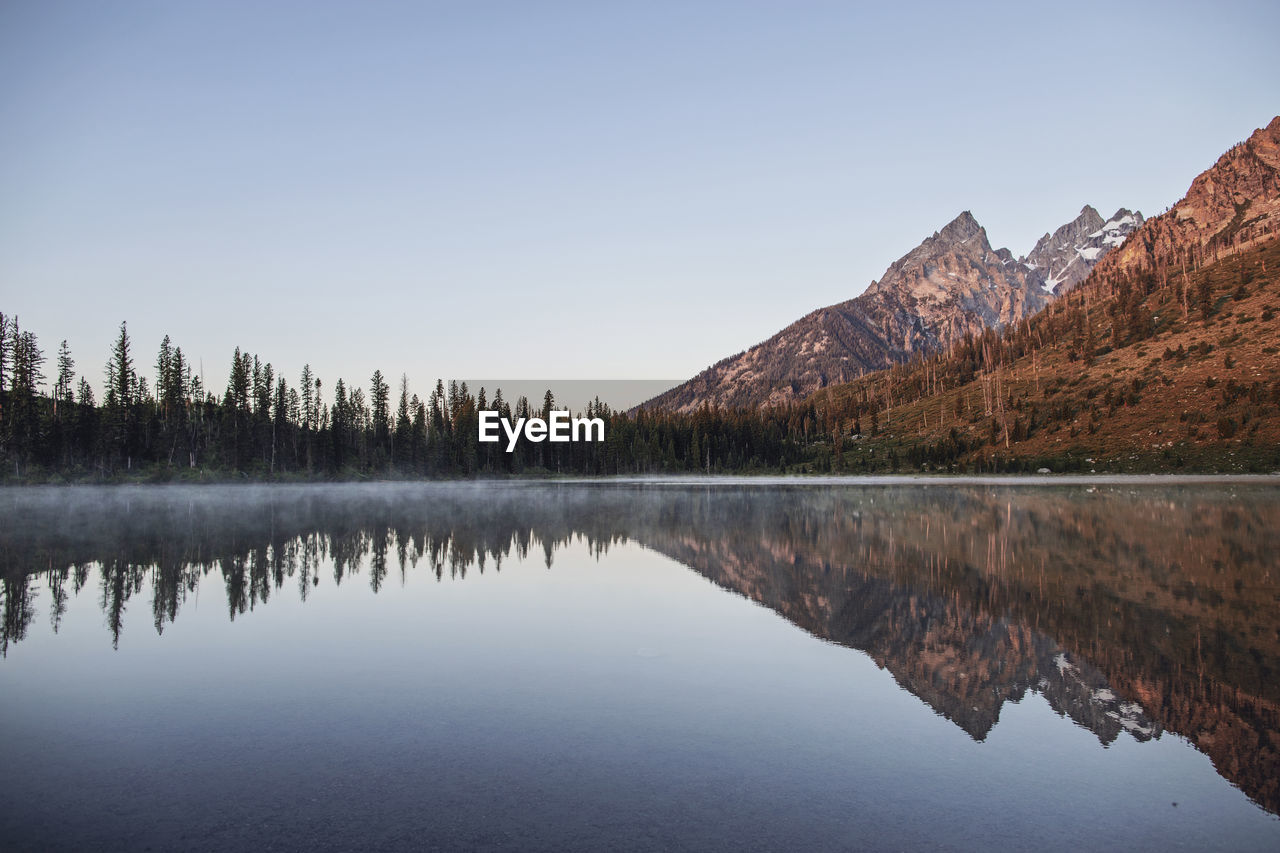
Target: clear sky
[537, 189]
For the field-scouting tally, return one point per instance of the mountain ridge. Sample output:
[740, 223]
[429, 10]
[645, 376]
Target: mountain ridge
[1169, 350]
[952, 284]
[1231, 206]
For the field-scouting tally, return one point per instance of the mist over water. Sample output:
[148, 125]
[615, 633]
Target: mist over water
[701, 664]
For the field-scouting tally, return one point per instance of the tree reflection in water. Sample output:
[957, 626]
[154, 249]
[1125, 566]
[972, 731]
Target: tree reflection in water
[1132, 609]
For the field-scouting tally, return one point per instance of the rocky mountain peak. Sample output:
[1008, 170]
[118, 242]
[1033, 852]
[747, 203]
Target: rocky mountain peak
[932, 269]
[950, 285]
[954, 284]
[963, 228]
[1088, 220]
[1065, 258]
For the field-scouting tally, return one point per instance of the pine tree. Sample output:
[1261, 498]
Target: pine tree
[439, 423]
[24, 389]
[1204, 297]
[308, 406]
[339, 421]
[455, 402]
[235, 408]
[164, 376]
[5, 346]
[121, 378]
[404, 427]
[236, 397]
[122, 383]
[62, 391]
[279, 418]
[379, 401]
[418, 443]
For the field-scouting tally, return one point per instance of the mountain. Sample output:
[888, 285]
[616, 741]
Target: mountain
[951, 285]
[1066, 257]
[1233, 205]
[1165, 357]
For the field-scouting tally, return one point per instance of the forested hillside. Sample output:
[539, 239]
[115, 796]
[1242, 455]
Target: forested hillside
[1163, 358]
[1127, 372]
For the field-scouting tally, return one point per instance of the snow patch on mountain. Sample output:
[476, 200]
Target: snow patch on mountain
[1067, 255]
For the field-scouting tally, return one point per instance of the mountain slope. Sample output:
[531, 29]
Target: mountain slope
[952, 284]
[1162, 358]
[1231, 206]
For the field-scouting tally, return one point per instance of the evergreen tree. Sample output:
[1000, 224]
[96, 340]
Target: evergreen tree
[404, 427]
[164, 376]
[279, 419]
[122, 384]
[308, 407]
[24, 389]
[339, 419]
[62, 390]
[6, 344]
[236, 410]
[418, 441]
[380, 415]
[439, 422]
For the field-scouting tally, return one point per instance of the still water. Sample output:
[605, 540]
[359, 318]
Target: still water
[690, 665]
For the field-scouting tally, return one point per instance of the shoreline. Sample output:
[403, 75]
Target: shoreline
[686, 480]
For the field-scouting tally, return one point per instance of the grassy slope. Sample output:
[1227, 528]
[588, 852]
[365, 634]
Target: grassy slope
[1140, 406]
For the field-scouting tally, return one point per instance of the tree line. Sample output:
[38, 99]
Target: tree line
[262, 426]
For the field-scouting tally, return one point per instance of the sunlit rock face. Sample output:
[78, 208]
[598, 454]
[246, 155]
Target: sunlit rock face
[1230, 206]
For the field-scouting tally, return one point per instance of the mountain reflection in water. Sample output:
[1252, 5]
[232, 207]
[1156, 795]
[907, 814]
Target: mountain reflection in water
[1133, 609]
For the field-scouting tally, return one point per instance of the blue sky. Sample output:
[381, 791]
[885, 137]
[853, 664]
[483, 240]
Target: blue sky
[622, 190]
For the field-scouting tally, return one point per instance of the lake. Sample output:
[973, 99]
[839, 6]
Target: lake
[690, 664]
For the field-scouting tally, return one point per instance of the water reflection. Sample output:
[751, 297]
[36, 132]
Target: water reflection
[1133, 610]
